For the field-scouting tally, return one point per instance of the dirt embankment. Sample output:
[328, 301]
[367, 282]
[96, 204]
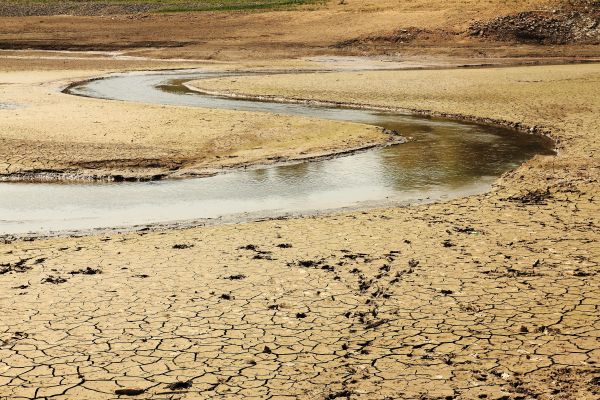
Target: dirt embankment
[465, 28]
[570, 23]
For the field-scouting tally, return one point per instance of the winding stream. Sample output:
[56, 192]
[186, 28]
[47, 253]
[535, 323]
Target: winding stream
[445, 159]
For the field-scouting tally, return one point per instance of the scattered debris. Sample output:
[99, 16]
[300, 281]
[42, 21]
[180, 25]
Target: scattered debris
[535, 197]
[337, 395]
[468, 230]
[18, 267]
[542, 27]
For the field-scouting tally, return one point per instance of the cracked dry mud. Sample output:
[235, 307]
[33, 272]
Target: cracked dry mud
[489, 297]
[357, 304]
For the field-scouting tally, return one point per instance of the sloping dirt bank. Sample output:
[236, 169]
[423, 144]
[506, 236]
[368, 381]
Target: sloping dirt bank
[434, 27]
[494, 296]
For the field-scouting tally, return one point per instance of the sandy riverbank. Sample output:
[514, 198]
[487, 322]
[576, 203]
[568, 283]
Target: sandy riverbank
[49, 135]
[493, 296]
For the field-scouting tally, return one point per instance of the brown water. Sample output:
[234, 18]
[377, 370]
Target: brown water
[444, 159]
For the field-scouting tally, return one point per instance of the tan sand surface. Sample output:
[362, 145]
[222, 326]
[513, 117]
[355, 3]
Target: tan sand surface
[45, 134]
[561, 99]
[488, 297]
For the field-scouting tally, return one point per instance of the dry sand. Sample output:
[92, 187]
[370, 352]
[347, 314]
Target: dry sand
[46, 134]
[493, 296]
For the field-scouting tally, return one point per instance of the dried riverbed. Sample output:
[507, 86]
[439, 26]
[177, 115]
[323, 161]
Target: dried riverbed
[492, 296]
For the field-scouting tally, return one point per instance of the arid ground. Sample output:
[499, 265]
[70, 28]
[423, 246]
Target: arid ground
[494, 296]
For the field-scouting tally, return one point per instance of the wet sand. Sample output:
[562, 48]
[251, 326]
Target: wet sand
[492, 296]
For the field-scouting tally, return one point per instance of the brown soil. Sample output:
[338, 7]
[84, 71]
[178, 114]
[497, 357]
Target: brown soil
[24, 8]
[543, 28]
[366, 27]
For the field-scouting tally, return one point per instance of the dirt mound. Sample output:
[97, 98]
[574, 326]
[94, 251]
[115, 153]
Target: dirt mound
[538, 27]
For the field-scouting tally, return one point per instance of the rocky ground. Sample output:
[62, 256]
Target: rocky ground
[543, 28]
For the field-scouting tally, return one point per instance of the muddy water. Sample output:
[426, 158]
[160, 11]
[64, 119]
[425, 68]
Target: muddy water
[444, 160]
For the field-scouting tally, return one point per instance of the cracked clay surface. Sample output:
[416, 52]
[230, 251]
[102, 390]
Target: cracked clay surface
[488, 297]
[356, 304]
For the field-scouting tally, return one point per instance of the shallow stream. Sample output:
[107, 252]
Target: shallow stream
[444, 160]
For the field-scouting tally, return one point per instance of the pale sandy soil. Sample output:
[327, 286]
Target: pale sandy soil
[559, 98]
[488, 297]
[48, 135]
[45, 134]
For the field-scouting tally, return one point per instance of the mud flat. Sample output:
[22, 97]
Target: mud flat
[493, 296]
[55, 136]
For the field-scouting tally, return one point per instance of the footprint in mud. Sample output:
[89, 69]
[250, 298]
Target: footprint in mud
[129, 392]
[260, 254]
[182, 246]
[55, 280]
[235, 277]
[86, 271]
[180, 385]
[18, 267]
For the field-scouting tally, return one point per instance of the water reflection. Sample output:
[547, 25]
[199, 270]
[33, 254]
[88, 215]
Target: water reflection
[444, 159]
